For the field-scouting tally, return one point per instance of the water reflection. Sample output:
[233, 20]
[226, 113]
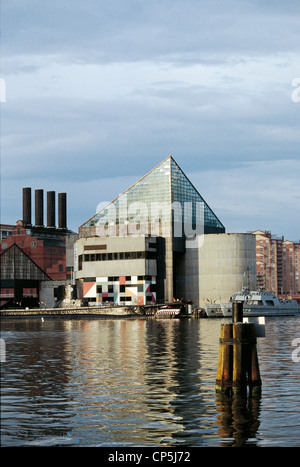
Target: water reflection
[238, 419]
[173, 379]
[139, 383]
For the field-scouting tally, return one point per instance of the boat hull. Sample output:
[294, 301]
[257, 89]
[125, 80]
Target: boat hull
[168, 314]
[172, 311]
[225, 310]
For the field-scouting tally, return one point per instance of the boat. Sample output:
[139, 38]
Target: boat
[255, 303]
[174, 310]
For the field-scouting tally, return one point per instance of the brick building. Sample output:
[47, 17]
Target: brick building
[44, 245]
[277, 264]
[47, 251]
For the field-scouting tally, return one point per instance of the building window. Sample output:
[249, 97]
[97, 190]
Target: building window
[128, 255]
[125, 299]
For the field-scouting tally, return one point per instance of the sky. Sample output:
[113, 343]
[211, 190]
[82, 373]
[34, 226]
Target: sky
[96, 93]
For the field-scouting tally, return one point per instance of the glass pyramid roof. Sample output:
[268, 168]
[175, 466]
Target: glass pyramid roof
[153, 197]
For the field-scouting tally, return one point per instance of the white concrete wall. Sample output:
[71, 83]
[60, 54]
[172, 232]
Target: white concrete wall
[129, 267]
[218, 267]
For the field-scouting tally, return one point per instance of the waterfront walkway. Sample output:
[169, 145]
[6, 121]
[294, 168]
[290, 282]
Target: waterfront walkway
[103, 311]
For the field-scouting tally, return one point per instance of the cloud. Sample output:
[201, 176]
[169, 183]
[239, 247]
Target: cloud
[99, 92]
[257, 195]
[119, 30]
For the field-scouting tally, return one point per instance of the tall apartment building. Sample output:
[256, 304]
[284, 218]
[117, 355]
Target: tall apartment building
[277, 264]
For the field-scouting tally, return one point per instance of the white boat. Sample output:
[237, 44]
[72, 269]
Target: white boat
[173, 310]
[255, 303]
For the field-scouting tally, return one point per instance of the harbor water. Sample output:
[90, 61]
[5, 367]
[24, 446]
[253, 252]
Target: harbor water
[142, 383]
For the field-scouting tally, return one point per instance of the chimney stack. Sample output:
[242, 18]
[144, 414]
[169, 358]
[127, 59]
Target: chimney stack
[39, 208]
[51, 209]
[62, 210]
[27, 206]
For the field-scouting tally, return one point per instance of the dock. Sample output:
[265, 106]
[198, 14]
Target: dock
[130, 311]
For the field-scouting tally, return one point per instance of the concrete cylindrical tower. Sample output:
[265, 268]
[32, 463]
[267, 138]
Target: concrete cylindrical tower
[227, 263]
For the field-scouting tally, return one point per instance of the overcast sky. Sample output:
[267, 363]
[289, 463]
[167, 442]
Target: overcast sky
[99, 92]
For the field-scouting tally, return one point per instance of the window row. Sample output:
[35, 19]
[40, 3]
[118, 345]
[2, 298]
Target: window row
[118, 278]
[118, 256]
[122, 288]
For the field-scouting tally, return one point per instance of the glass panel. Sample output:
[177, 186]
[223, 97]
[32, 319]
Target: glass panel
[186, 194]
[146, 201]
[149, 200]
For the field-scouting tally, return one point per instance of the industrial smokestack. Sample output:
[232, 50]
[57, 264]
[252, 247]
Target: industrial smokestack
[62, 210]
[51, 209]
[39, 208]
[27, 206]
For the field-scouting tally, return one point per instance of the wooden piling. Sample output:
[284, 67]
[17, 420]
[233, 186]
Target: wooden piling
[220, 362]
[224, 372]
[254, 372]
[240, 357]
[237, 312]
[238, 365]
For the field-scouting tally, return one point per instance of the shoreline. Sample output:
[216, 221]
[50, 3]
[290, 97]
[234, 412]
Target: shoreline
[133, 311]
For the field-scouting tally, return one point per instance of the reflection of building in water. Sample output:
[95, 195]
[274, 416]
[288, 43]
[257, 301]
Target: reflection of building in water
[179, 371]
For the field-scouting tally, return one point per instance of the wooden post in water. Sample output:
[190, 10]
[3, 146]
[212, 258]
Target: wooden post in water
[237, 312]
[238, 363]
[224, 372]
[254, 373]
[240, 354]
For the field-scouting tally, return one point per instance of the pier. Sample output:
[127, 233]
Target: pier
[77, 312]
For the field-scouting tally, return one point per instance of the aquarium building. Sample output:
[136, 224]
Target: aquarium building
[140, 247]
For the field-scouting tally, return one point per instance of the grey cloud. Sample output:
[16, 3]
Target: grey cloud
[240, 111]
[134, 29]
